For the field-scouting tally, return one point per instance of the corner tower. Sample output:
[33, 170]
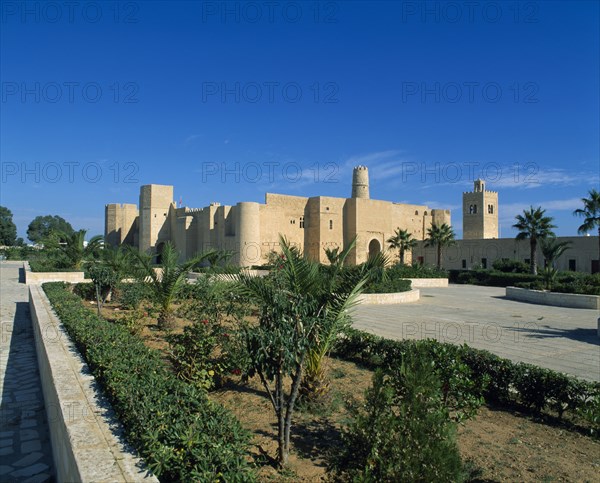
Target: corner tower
[155, 203]
[360, 182]
[480, 213]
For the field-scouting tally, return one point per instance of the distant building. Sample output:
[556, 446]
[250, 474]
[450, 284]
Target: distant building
[251, 230]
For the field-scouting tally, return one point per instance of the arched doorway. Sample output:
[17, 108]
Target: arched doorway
[374, 247]
[159, 249]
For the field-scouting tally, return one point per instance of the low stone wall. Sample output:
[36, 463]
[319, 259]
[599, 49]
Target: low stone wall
[428, 282]
[575, 301]
[389, 298]
[37, 278]
[86, 438]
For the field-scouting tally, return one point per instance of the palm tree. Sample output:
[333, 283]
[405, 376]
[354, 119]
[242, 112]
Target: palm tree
[534, 225]
[402, 240]
[552, 250]
[76, 251]
[297, 310]
[440, 236]
[167, 280]
[591, 214]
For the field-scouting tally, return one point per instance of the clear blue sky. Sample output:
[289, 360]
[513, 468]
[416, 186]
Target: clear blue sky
[229, 100]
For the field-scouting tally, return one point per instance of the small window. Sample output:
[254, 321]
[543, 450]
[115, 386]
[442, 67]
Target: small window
[484, 262]
[331, 224]
[417, 212]
[464, 263]
[470, 209]
[327, 208]
[425, 213]
[301, 222]
[572, 265]
[491, 209]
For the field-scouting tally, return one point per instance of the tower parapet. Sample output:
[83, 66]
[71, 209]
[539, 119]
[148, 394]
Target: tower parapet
[360, 182]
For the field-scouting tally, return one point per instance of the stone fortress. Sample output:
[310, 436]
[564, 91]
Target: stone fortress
[251, 230]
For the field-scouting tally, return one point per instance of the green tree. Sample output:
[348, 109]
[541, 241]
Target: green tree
[74, 248]
[402, 241]
[591, 214]
[440, 236]
[552, 250]
[337, 292]
[8, 230]
[535, 226]
[42, 226]
[293, 305]
[166, 279]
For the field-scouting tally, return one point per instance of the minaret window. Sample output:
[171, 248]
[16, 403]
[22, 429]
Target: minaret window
[331, 224]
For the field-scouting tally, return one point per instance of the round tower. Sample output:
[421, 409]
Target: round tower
[360, 182]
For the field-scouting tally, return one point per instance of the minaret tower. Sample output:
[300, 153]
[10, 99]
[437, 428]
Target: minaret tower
[360, 182]
[480, 213]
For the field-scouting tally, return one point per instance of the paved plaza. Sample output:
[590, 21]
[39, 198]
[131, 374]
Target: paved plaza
[25, 453]
[558, 338]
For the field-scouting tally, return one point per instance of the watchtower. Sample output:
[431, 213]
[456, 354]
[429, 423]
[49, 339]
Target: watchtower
[360, 182]
[480, 213]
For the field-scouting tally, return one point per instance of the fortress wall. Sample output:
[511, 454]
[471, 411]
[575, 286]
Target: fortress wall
[282, 215]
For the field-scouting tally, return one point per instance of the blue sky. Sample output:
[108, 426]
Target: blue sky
[229, 100]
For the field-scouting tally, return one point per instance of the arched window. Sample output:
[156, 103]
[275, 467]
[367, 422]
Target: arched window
[374, 248]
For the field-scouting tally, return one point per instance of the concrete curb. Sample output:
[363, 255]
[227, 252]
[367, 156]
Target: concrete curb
[37, 278]
[572, 300]
[86, 438]
[389, 298]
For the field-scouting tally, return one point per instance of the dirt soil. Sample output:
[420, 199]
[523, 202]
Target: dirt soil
[500, 446]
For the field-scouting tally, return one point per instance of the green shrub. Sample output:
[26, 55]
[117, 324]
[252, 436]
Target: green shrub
[389, 286]
[416, 270]
[510, 266]
[403, 432]
[499, 380]
[131, 295]
[180, 433]
[86, 291]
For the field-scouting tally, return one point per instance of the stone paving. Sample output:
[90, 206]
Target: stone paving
[558, 338]
[25, 452]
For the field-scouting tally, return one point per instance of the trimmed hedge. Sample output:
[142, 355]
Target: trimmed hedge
[491, 278]
[389, 286]
[503, 381]
[180, 433]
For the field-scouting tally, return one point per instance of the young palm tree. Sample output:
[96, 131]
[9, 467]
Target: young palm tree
[440, 236]
[591, 214]
[552, 250]
[402, 241]
[297, 309]
[534, 225]
[75, 250]
[166, 281]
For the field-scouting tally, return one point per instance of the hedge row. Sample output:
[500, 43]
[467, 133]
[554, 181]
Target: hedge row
[491, 278]
[180, 433]
[504, 382]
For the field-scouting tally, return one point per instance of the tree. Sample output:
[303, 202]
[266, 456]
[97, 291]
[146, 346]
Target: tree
[8, 230]
[337, 292]
[166, 281]
[74, 248]
[293, 304]
[42, 226]
[440, 236]
[534, 225]
[591, 214]
[402, 241]
[552, 250]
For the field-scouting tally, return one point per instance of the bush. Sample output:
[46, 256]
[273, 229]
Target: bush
[403, 432]
[86, 291]
[180, 433]
[389, 286]
[491, 277]
[498, 380]
[510, 266]
[131, 295]
[416, 270]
